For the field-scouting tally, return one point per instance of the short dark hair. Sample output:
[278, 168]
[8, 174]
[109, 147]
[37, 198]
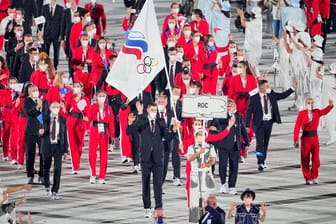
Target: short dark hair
[83, 12]
[152, 104]
[262, 82]
[198, 12]
[172, 49]
[198, 84]
[31, 50]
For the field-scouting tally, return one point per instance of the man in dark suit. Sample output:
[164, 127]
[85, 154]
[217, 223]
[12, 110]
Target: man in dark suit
[30, 11]
[69, 18]
[263, 110]
[152, 130]
[35, 109]
[28, 66]
[53, 14]
[54, 144]
[228, 148]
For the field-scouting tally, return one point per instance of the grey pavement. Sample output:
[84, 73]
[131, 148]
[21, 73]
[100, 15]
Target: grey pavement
[281, 186]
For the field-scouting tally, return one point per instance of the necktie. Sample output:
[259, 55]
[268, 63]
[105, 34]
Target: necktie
[33, 67]
[162, 114]
[140, 96]
[152, 126]
[265, 104]
[51, 10]
[171, 75]
[53, 130]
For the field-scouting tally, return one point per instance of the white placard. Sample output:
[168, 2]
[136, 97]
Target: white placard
[17, 87]
[81, 105]
[204, 106]
[39, 20]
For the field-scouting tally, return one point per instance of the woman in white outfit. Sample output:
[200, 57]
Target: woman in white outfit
[329, 92]
[253, 37]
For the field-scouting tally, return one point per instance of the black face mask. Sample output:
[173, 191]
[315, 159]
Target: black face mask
[186, 70]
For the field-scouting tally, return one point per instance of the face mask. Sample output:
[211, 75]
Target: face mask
[193, 17]
[170, 44]
[68, 5]
[54, 111]
[176, 98]
[175, 11]
[101, 99]
[179, 56]
[19, 33]
[233, 111]
[93, 1]
[102, 46]
[76, 19]
[186, 81]
[309, 106]
[77, 90]
[11, 16]
[108, 46]
[152, 115]
[199, 139]
[211, 43]
[36, 58]
[172, 58]
[43, 68]
[196, 39]
[10, 86]
[91, 33]
[187, 33]
[197, 127]
[186, 70]
[268, 90]
[65, 80]
[233, 50]
[171, 26]
[85, 43]
[88, 19]
[19, 17]
[35, 94]
[192, 91]
[240, 58]
[161, 108]
[47, 1]
[239, 70]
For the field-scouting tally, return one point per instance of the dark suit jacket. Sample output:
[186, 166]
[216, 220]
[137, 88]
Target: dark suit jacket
[33, 125]
[52, 27]
[25, 72]
[66, 23]
[30, 11]
[162, 77]
[146, 99]
[151, 147]
[239, 130]
[63, 138]
[255, 111]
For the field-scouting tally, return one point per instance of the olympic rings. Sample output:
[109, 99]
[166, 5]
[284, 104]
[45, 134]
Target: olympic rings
[146, 66]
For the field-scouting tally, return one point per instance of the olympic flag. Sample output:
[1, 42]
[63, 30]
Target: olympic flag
[141, 57]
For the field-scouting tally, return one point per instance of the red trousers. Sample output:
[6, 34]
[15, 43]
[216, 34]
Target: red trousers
[125, 140]
[96, 140]
[187, 184]
[2, 38]
[5, 138]
[76, 131]
[14, 146]
[21, 139]
[310, 151]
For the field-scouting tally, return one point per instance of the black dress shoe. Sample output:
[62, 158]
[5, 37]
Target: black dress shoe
[261, 167]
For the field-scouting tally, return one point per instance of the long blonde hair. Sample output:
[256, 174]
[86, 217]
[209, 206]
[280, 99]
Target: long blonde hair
[51, 69]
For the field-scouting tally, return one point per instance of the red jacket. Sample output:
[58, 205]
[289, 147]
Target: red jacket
[71, 104]
[5, 72]
[54, 94]
[182, 41]
[98, 16]
[98, 65]
[78, 56]
[39, 79]
[6, 103]
[303, 123]
[77, 2]
[202, 26]
[196, 63]
[75, 34]
[3, 9]
[107, 119]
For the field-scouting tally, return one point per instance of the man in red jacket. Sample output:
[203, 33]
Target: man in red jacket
[77, 28]
[98, 16]
[308, 120]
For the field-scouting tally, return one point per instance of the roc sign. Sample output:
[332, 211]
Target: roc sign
[204, 107]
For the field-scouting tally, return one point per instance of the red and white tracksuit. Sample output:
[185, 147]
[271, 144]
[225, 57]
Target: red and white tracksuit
[7, 106]
[18, 132]
[76, 129]
[310, 145]
[100, 137]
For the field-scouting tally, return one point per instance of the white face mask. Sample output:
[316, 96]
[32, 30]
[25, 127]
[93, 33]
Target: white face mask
[161, 108]
[187, 33]
[19, 17]
[85, 43]
[43, 67]
[35, 94]
[65, 80]
[88, 19]
[101, 99]
[172, 58]
[170, 44]
[199, 139]
[196, 39]
[192, 91]
[77, 90]
[239, 70]
[240, 58]
[175, 11]
[233, 50]
[36, 58]
[186, 81]
[68, 5]
[47, 1]
[211, 43]
[19, 33]
[93, 1]
[171, 26]
[10, 85]
[11, 15]
[268, 90]
[152, 115]
[176, 98]
[91, 33]
[193, 17]
[54, 111]
[76, 19]
[309, 106]
[102, 46]
[179, 56]
[108, 46]
[197, 127]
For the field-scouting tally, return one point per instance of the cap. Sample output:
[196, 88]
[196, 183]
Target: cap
[226, 6]
[318, 40]
[317, 54]
[300, 26]
[305, 38]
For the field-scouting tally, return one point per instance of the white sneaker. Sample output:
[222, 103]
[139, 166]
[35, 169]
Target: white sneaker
[124, 160]
[102, 181]
[47, 192]
[137, 169]
[331, 141]
[129, 159]
[177, 181]
[233, 191]
[264, 165]
[242, 159]
[5, 158]
[55, 196]
[224, 189]
[14, 162]
[19, 167]
[111, 148]
[93, 179]
[148, 213]
[315, 181]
